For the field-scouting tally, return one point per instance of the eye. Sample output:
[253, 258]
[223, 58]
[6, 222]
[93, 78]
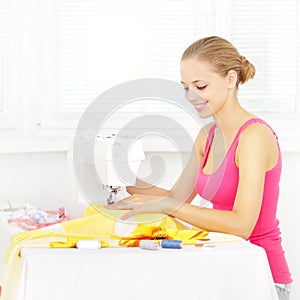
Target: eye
[201, 87]
[186, 88]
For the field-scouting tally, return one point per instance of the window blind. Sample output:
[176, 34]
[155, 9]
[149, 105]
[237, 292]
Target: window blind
[266, 33]
[103, 43]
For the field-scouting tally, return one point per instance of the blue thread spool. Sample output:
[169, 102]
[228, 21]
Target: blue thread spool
[174, 244]
[149, 245]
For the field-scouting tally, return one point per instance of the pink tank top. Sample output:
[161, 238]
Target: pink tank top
[220, 188]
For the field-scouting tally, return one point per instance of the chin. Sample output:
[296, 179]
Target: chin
[205, 115]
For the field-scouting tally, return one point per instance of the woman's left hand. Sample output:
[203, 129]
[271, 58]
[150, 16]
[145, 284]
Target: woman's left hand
[144, 204]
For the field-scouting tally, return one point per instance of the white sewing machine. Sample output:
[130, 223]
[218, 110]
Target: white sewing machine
[117, 161]
[115, 168]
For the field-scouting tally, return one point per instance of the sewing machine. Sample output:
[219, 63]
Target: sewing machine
[117, 160]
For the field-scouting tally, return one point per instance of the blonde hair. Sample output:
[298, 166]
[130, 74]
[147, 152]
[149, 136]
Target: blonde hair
[222, 55]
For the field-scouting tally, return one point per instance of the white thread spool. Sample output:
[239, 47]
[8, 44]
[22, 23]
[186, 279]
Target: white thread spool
[149, 245]
[88, 244]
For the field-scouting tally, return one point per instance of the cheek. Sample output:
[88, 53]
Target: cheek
[220, 93]
[217, 100]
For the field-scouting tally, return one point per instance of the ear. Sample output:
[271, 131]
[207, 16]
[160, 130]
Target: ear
[231, 78]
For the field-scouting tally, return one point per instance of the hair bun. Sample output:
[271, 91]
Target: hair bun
[247, 70]
[222, 55]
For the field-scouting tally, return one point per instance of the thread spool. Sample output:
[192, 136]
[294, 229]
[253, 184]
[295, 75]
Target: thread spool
[149, 245]
[174, 244]
[88, 244]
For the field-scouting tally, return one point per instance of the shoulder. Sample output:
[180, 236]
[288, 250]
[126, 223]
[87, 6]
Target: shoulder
[257, 140]
[257, 132]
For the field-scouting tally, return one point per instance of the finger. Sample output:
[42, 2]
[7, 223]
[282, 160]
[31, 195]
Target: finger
[135, 198]
[139, 199]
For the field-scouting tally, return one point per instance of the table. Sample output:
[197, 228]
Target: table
[228, 271]
[6, 231]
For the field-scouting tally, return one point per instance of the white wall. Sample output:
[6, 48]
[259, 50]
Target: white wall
[43, 179]
[37, 178]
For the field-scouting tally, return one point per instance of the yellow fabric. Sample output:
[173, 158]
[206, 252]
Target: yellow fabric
[143, 232]
[97, 223]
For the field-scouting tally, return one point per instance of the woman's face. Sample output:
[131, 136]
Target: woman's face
[204, 88]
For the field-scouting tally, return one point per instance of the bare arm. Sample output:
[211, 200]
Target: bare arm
[253, 164]
[144, 188]
[183, 189]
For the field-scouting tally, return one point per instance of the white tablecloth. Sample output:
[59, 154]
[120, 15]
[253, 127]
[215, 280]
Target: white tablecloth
[6, 231]
[229, 271]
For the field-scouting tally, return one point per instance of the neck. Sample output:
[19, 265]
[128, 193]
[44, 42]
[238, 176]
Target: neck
[231, 116]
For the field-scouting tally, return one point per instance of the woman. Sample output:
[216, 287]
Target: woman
[235, 163]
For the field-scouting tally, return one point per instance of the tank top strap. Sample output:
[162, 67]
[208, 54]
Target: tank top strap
[251, 121]
[208, 142]
[209, 139]
[233, 145]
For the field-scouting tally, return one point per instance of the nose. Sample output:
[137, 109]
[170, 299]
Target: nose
[192, 96]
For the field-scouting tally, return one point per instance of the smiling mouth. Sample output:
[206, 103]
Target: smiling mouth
[201, 106]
